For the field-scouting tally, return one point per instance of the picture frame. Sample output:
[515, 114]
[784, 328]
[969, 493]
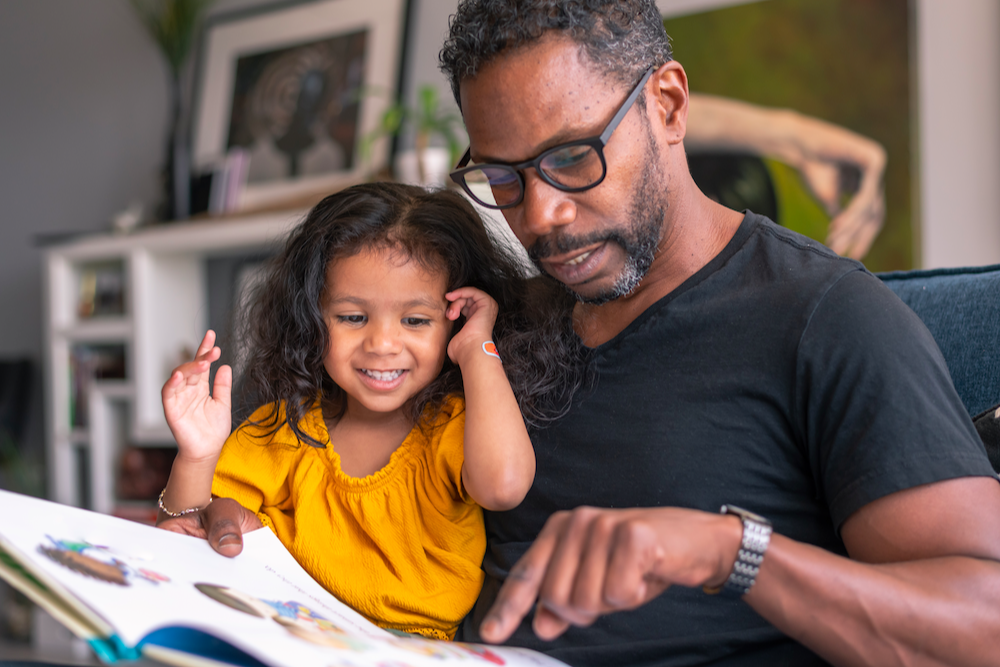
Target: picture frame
[296, 86]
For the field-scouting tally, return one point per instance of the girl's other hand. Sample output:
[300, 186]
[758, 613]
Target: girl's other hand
[199, 420]
[480, 311]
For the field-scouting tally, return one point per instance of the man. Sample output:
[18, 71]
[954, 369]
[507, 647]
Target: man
[735, 363]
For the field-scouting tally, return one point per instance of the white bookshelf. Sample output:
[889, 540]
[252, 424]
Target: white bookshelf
[165, 311]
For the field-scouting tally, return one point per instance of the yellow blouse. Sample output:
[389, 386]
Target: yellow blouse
[402, 546]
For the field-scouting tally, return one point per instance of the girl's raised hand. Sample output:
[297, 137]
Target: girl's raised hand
[199, 420]
[480, 311]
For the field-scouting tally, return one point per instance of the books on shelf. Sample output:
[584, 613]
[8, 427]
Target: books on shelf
[102, 289]
[132, 590]
[219, 191]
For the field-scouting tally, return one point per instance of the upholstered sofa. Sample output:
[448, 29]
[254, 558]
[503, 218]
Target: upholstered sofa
[961, 307]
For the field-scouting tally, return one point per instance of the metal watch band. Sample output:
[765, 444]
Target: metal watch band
[756, 538]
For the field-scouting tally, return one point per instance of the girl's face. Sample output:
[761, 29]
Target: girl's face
[388, 330]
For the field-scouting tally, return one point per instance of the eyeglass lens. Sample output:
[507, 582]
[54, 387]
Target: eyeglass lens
[572, 167]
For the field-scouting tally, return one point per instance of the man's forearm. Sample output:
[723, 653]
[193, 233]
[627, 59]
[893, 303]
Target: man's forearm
[940, 611]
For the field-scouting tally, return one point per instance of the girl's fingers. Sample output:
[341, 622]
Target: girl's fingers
[210, 355]
[223, 389]
[207, 343]
[466, 300]
[458, 307]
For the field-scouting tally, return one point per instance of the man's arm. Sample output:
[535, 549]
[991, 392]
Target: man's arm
[922, 585]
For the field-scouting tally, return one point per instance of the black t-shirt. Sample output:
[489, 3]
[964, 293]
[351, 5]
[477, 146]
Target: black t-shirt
[780, 378]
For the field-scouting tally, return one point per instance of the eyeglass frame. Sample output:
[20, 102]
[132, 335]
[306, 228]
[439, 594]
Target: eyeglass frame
[597, 142]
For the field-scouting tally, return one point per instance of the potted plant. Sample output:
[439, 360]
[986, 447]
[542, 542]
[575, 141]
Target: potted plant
[172, 24]
[426, 164]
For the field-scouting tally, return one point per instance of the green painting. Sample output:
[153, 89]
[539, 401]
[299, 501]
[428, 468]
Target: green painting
[801, 110]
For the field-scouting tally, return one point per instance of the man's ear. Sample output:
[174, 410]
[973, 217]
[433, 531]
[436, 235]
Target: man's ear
[667, 100]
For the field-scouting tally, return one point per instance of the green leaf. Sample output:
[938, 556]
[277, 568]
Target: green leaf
[172, 24]
[428, 97]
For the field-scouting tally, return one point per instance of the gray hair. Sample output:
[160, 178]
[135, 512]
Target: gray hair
[623, 38]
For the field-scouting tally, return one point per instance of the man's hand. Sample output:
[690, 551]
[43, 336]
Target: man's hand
[222, 523]
[590, 562]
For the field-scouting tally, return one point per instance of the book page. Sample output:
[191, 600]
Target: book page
[141, 580]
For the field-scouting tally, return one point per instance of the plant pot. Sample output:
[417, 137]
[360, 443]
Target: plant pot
[436, 163]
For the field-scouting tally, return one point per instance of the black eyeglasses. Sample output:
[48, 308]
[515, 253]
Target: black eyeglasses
[571, 167]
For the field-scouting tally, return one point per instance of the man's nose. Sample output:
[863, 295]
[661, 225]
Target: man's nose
[544, 207]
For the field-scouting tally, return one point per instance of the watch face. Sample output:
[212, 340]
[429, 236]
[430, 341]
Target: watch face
[746, 515]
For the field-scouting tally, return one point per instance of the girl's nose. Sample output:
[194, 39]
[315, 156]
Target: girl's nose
[383, 339]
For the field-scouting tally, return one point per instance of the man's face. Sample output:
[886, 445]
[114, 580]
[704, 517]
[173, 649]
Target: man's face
[598, 243]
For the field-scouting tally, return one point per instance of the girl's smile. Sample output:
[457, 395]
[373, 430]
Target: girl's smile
[389, 333]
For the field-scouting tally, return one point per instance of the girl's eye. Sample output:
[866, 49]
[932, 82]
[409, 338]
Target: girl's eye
[416, 321]
[351, 319]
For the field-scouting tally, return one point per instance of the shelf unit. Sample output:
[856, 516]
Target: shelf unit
[164, 312]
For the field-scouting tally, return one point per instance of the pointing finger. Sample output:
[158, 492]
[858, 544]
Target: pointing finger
[518, 594]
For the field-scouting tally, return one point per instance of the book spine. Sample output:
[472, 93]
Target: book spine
[112, 649]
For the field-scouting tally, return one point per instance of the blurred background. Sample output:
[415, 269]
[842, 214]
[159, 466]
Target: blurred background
[85, 111]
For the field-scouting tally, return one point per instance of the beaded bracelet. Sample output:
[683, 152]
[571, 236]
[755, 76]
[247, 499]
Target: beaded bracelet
[190, 510]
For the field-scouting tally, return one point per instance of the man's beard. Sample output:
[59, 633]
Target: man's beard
[639, 240]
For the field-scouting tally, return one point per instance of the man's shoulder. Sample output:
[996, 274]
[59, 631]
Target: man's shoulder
[782, 244]
[782, 258]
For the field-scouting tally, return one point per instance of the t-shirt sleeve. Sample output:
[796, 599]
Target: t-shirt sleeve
[880, 412]
[254, 472]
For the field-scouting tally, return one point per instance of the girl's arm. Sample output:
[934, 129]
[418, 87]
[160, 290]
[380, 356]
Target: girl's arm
[200, 423]
[499, 460]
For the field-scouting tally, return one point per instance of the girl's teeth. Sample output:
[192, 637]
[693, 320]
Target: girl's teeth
[577, 260]
[383, 376]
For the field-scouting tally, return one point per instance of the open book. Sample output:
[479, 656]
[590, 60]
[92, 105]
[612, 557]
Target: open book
[131, 590]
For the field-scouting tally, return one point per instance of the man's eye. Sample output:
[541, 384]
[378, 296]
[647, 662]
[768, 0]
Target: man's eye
[416, 321]
[568, 158]
[352, 319]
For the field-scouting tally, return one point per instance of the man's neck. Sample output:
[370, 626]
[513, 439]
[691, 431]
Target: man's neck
[692, 238]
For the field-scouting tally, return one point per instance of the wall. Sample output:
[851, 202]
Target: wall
[959, 91]
[81, 126]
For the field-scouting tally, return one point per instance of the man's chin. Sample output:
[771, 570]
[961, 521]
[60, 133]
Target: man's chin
[592, 295]
[597, 291]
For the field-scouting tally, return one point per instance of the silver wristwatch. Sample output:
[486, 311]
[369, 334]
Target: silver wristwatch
[756, 538]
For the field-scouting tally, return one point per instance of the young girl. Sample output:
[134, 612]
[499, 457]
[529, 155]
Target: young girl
[388, 420]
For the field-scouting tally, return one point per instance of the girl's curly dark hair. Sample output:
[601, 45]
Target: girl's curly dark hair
[286, 337]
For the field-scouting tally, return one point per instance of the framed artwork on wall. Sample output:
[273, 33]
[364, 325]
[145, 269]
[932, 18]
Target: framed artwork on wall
[803, 110]
[290, 86]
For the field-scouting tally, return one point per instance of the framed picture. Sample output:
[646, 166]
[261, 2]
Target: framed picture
[296, 87]
[804, 112]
